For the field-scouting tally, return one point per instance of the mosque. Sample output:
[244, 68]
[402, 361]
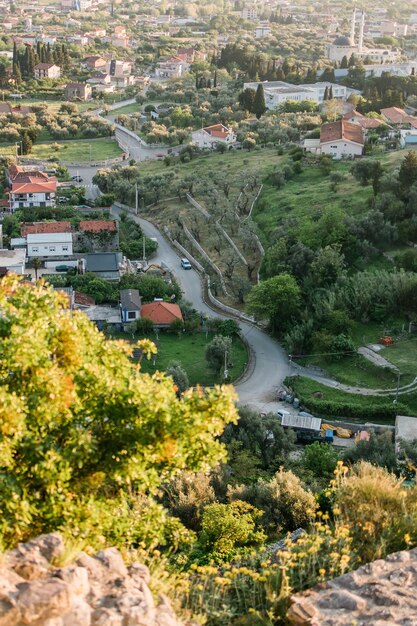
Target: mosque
[344, 46]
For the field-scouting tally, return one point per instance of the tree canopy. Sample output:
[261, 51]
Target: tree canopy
[81, 424]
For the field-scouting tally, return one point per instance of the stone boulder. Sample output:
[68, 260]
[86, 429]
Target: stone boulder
[94, 591]
[382, 593]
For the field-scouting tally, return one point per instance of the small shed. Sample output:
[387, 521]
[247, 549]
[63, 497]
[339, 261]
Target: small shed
[301, 422]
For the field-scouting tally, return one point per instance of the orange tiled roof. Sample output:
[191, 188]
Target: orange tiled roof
[341, 130]
[96, 226]
[161, 312]
[37, 228]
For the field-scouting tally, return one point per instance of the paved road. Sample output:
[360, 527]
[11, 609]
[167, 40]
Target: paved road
[259, 389]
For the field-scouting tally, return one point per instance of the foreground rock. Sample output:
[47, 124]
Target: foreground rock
[382, 593]
[94, 591]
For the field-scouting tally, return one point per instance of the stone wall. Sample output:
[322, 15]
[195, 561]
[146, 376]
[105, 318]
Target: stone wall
[382, 593]
[93, 591]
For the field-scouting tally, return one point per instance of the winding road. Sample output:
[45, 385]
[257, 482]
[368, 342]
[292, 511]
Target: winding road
[269, 366]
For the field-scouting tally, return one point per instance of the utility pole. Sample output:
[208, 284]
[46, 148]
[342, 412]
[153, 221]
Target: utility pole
[144, 246]
[226, 371]
[90, 154]
[398, 386]
[136, 199]
[290, 358]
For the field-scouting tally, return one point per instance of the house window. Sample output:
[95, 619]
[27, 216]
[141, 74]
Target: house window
[51, 248]
[35, 249]
[64, 248]
[131, 315]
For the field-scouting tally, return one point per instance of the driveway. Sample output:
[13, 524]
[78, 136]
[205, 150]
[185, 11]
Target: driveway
[270, 363]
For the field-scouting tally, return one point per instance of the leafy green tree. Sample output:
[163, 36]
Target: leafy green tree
[178, 375]
[36, 264]
[276, 299]
[226, 527]
[379, 450]
[320, 458]
[83, 432]
[218, 353]
[283, 499]
[407, 175]
[259, 105]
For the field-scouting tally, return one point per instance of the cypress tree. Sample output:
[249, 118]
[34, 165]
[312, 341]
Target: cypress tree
[331, 92]
[215, 79]
[326, 94]
[26, 144]
[259, 105]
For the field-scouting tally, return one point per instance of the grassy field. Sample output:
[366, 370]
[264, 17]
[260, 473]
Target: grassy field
[307, 391]
[129, 108]
[189, 351]
[73, 151]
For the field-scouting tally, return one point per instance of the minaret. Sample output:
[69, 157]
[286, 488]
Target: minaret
[361, 31]
[353, 27]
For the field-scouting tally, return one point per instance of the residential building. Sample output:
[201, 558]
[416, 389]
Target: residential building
[98, 236]
[171, 67]
[210, 136]
[249, 13]
[39, 228]
[78, 91]
[162, 314]
[30, 188]
[341, 139]
[104, 264]
[130, 305]
[99, 78]
[94, 63]
[263, 30]
[398, 117]
[49, 245]
[12, 261]
[46, 70]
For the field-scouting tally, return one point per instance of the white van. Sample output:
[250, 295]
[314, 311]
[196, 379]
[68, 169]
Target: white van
[185, 264]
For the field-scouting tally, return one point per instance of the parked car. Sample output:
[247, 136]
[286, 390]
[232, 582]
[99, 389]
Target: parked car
[62, 199]
[282, 413]
[62, 268]
[77, 179]
[185, 264]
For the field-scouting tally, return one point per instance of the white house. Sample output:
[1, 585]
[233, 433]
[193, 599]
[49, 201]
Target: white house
[46, 70]
[49, 245]
[173, 67]
[30, 188]
[210, 136]
[341, 139]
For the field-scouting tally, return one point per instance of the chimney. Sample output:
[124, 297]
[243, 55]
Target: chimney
[361, 31]
[353, 27]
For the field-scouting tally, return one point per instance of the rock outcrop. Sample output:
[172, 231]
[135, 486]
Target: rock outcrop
[382, 593]
[93, 591]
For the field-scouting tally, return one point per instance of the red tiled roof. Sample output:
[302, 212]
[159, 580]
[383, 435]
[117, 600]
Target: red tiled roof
[394, 114]
[217, 130]
[37, 228]
[353, 113]
[96, 226]
[341, 130]
[371, 122]
[33, 187]
[44, 66]
[83, 299]
[161, 312]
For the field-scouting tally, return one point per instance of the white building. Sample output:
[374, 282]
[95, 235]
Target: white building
[341, 139]
[344, 46]
[12, 261]
[276, 92]
[173, 67]
[210, 136]
[30, 188]
[263, 30]
[49, 245]
[249, 13]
